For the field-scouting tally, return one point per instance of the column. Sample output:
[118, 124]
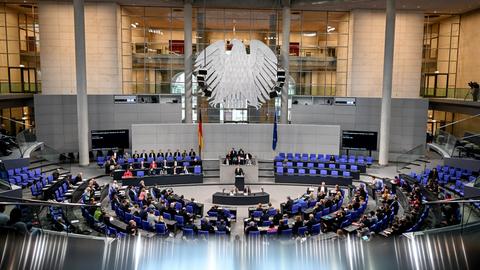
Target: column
[284, 59]
[387, 83]
[187, 55]
[81, 76]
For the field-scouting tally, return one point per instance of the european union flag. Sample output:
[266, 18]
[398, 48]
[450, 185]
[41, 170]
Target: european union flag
[275, 133]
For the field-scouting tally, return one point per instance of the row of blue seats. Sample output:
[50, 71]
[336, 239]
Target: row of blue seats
[37, 188]
[420, 221]
[99, 226]
[323, 157]
[291, 171]
[311, 165]
[23, 176]
[197, 169]
[101, 160]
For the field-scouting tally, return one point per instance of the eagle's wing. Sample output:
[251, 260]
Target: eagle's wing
[213, 60]
[263, 63]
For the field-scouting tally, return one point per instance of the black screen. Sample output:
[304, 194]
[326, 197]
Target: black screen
[110, 139]
[359, 140]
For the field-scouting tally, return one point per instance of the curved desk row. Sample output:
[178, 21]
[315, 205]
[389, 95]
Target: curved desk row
[164, 179]
[314, 179]
[240, 199]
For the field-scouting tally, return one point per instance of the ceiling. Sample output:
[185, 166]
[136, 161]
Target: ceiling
[427, 6]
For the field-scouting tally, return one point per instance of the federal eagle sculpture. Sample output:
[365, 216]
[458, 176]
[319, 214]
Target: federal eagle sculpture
[237, 79]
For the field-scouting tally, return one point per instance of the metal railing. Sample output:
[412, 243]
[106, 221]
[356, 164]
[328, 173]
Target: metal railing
[410, 156]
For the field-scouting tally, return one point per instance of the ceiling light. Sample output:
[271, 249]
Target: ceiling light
[310, 34]
[330, 29]
[319, 3]
[133, 25]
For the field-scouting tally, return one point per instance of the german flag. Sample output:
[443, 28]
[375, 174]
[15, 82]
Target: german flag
[200, 133]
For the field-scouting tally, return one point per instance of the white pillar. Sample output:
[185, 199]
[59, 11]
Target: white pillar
[81, 76]
[285, 51]
[387, 83]
[188, 62]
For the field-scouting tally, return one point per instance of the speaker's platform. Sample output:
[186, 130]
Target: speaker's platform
[240, 198]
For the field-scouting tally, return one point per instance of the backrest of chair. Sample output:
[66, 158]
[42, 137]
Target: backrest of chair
[312, 171]
[279, 170]
[346, 173]
[334, 173]
[321, 165]
[354, 168]
[140, 173]
[301, 171]
[323, 172]
[331, 166]
[290, 171]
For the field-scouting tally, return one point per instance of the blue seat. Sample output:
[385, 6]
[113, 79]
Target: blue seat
[302, 230]
[301, 171]
[145, 225]
[354, 168]
[290, 171]
[188, 233]
[346, 174]
[334, 173]
[313, 157]
[299, 164]
[369, 160]
[266, 223]
[312, 172]
[280, 170]
[295, 208]
[331, 166]
[180, 220]
[278, 164]
[320, 157]
[343, 167]
[281, 154]
[111, 231]
[254, 234]
[189, 209]
[204, 233]
[272, 212]
[138, 220]
[167, 216]
[161, 229]
[316, 229]
[323, 172]
[325, 212]
[257, 214]
[140, 173]
[289, 164]
[220, 233]
[321, 165]
[197, 169]
[310, 165]
[287, 233]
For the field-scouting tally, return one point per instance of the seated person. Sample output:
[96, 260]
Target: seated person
[282, 226]
[272, 229]
[160, 153]
[153, 165]
[127, 174]
[311, 221]
[222, 227]
[206, 226]
[297, 224]
[132, 228]
[184, 153]
[151, 154]
[252, 226]
[192, 153]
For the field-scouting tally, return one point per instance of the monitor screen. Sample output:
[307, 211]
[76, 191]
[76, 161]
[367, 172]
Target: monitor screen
[359, 140]
[110, 139]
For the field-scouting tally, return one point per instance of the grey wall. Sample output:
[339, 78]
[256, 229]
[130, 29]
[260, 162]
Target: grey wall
[469, 164]
[408, 124]
[253, 138]
[56, 118]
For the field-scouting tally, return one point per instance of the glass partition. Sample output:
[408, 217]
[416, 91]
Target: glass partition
[410, 156]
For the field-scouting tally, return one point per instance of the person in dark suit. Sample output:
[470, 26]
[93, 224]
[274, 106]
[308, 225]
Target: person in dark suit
[132, 228]
[160, 153]
[323, 188]
[192, 153]
[277, 217]
[297, 224]
[144, 154]
[168, 153]
[282, 226]
[288, 204]
[135, 155]
[206, 226]
[184, 153]
[311, 221]
[252, 226]
[177, 153]
[151, 154]
[239, 171]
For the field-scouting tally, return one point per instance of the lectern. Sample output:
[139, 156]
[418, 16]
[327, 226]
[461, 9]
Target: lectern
[240, 182]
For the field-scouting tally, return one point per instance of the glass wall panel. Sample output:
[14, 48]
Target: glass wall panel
[19, 49]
